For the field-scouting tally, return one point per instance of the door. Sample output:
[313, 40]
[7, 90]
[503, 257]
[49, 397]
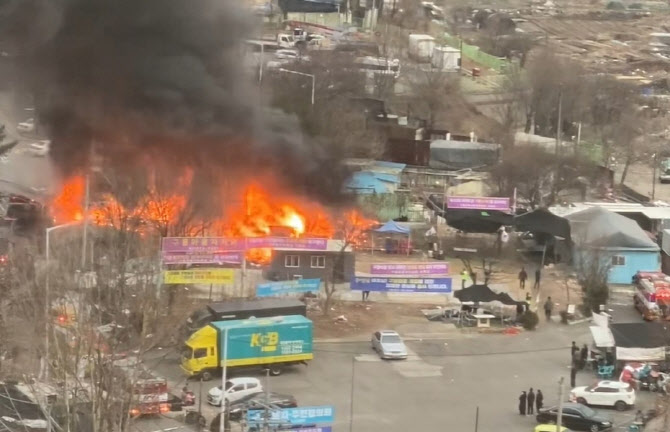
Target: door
[235, 392]
[251, 388]
[376, 341]
[572, 419]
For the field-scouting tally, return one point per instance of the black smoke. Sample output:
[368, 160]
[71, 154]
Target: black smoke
[164, 78]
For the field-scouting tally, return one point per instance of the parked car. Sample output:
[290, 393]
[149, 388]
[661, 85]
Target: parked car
[577, 417]
[617, 394]
[26, 126]
[258, 401]
[389, 345]
[40, 148]
[236, 388]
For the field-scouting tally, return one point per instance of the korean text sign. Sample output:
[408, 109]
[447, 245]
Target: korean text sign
[211, 245]
[411, 269]
[201, 276]
[478, 203]
[295, 416]
[409, 284]
[288, 287]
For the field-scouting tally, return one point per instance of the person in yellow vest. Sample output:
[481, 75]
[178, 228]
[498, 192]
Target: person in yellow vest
[465, 276]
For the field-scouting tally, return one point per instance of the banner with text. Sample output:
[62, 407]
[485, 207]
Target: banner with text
[288, 287]
[212, 245]
[199, 276]
[407, 285]
[411, 269]
[215, 258]
[478, 203]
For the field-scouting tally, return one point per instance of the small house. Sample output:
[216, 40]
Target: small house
[336, 261]
[615, 240]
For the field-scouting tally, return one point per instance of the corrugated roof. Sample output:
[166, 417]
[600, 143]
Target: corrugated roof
[602, 228]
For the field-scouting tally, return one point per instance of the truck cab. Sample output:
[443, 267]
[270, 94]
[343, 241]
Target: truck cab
[199, 354]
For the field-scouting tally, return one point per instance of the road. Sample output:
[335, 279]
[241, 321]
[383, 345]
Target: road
[439, 387]
[20, 171]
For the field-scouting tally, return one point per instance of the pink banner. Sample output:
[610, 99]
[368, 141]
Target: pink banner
[218, 258]
[478, 203]
[411, 269]
[213, 245]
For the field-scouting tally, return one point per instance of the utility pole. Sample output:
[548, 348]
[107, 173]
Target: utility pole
[86, 207]
[477, 420]
[559, 120]
[653, 176]
[224, 402]
[351, 396]
[266, 422]
[559, 416]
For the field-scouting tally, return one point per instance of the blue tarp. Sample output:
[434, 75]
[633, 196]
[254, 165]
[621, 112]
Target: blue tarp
[392, 227]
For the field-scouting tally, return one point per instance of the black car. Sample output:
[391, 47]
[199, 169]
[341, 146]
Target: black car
[576, 417]
[256, 401]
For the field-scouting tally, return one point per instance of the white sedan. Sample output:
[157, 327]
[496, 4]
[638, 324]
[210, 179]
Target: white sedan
[236, 388]
[389, 345]
[26, 126]
[40, 148]
[617, 394]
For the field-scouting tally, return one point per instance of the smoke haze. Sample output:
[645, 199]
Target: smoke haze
[161, 77]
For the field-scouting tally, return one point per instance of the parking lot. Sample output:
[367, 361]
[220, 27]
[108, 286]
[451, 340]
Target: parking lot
[448, 378]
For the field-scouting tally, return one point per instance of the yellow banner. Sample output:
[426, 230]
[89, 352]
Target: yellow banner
[199, 276]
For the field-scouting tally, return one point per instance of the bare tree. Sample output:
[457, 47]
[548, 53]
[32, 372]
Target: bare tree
[433, 93]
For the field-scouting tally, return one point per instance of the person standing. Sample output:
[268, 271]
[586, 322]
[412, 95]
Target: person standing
[548, 307]
[531, 401]
[539, 400]
[522, 278]
[573, 376]
[464, 278]
[366, 295]
[538, 275]
[522, 403]
[583, 356]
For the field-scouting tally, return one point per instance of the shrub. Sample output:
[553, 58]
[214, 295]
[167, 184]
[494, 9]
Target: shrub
[529, 320]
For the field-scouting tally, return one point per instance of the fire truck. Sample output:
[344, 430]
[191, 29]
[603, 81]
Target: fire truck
[150, 391]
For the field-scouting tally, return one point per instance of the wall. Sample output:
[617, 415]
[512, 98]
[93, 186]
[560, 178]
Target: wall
[634, 262]
[473, 53]
[278, 271]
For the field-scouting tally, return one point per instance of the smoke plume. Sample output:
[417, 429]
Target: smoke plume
[162, 77]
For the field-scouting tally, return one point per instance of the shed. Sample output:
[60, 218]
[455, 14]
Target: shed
[337, 262]
[450, 154]
[618, 241]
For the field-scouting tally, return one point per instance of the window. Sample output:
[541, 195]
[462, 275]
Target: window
[618, 260]
[200, 353]
[292, 261]
[251, 385]
[237, 388]
[318, 261]
[297, 277]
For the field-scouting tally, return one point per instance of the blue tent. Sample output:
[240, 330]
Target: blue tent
[392, 227]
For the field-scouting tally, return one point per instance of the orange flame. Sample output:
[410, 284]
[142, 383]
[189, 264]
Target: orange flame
[259, 213]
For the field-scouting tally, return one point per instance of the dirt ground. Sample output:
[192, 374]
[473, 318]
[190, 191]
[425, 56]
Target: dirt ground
[364, 318]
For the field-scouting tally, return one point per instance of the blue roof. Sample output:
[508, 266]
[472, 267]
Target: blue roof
[367, 182]
[393, 227]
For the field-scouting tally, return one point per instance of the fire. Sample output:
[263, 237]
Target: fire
[259, 212]
[68, 205]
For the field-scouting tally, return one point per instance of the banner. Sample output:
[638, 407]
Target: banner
[478, 203]
[212, 245]
[411, 269]
[201, 276]
[295, 416]
[288, 287]
[217, 258]
[407, 285]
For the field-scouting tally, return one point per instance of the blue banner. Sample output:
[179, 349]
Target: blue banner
[288, 287]
[407, 285]
[295, 416]
[314, 429]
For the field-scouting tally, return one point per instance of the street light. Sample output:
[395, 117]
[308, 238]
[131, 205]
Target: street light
[303, 74]
[46, 295]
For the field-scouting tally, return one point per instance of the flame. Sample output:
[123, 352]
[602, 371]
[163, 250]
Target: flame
[68, 205]
[259, 212]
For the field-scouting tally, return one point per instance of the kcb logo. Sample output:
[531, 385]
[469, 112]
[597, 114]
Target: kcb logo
[266, 341]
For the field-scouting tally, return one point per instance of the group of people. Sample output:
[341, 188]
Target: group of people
[523, 277]
[529, 402]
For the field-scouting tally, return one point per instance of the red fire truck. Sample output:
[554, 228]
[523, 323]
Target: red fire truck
[150, 392]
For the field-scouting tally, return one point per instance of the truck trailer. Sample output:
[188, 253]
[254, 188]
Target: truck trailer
[243, 309]
[271, 343]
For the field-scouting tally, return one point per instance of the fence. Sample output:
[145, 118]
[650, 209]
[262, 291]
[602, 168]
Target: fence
[475, 54]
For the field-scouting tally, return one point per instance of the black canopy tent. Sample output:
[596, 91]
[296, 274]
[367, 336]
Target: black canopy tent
[467, 220]
[543, 221]
[484, 294]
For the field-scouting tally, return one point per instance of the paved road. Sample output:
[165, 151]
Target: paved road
[438, 388]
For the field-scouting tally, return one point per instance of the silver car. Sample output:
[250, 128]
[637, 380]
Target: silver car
[389, 345]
